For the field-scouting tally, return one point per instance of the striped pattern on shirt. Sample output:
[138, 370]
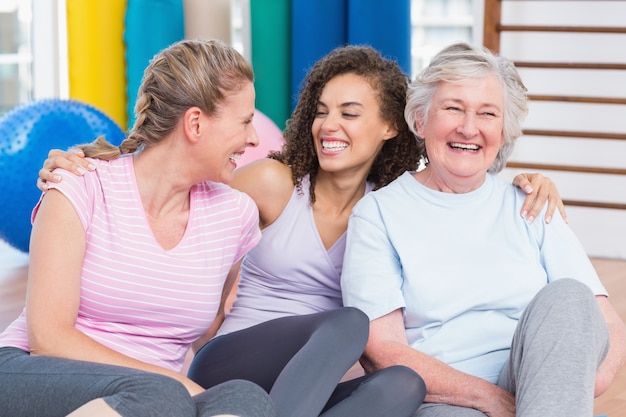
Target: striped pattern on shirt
[136, 297]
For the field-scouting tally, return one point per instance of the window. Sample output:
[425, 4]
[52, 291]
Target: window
[15, 53]
[437, 23]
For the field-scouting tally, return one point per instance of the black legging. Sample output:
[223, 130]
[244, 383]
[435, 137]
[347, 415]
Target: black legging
[299, 360]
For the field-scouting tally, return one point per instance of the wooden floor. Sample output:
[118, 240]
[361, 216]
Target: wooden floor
[14, 266]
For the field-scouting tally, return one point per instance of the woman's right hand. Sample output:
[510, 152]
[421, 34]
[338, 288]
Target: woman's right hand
[72, 160]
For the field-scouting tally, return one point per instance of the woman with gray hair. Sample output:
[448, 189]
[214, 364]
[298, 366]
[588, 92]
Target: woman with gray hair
[500, 316]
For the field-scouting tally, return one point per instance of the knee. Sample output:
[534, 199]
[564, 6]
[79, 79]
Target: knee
[356, 319]
[152, 395]
[569, 287]
[402, 380]
[397, 388]
[348, 324]
[571, 294]
[237, 398]
[570, 307]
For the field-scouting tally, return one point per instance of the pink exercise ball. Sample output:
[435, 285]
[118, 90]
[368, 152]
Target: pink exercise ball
[270, 139]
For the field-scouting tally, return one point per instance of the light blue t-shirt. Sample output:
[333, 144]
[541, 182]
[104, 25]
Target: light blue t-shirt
[462, 266]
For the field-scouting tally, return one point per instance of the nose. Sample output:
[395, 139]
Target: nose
[253, 137]
[467, 125]
[330, 122]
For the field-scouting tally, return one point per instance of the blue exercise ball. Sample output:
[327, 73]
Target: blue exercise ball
[27, 133]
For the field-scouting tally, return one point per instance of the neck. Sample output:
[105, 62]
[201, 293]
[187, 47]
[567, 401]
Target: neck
[454, 185]
[339, 193]
[162, 182]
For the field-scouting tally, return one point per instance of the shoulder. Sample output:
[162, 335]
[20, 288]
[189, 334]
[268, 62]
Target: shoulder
[266, 173]
[391, 190]
[270, 185]
[507, 190]
[213, 193]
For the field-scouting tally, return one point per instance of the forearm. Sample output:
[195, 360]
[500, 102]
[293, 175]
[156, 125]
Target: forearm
[73, 344]
[444, 384]
[209, 334]
[616, 356]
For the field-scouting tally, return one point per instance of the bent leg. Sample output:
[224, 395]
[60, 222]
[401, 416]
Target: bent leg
[559, 343]
[299, 360]
[55, 387]
[238, 398]
[395, 391]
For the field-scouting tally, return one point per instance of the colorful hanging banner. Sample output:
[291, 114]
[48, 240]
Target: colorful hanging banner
[271, 37]
[96, 65]
[151, 25]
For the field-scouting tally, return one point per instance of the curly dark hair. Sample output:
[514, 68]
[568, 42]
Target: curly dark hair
[398, 154]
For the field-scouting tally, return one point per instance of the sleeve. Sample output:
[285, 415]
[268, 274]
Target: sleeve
[372, 273]
[563, 255]
[75, 189]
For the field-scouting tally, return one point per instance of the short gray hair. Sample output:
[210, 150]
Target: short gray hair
[460, 62]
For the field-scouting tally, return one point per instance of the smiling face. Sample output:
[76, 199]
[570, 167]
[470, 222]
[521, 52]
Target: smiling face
[463, 132]
[348, 130]
[229, 132]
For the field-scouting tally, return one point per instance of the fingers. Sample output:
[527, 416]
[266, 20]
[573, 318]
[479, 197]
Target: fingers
[528, 213]
[521, 180]
[540, 191]
[43, 186]
[72, 160]
[547, 191]
[543, 196]
[45, 176]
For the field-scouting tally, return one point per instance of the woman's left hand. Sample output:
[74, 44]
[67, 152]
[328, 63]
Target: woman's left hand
[539, 189]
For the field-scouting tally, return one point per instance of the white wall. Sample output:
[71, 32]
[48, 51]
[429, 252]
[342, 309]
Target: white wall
[602, 231]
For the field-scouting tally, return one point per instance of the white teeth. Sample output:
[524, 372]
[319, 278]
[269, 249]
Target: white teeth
[465, 146]
[234, 157]
[334, 145]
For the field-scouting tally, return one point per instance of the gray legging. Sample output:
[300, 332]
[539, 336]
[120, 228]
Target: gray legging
[560, 341]
[41, 386]
[300, 360]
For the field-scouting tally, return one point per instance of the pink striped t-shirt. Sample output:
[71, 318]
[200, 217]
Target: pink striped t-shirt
[136, 297]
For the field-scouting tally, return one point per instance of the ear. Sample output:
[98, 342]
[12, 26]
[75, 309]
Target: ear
[192, 123]
[390, 132]
[419, 128]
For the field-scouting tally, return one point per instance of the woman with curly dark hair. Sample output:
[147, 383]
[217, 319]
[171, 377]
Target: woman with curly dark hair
[399, 153]
[346, 137]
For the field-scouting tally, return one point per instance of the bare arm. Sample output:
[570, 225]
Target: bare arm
[616, 357]
[53, 295]
[539, 189]
[233, 277]
[388, 345]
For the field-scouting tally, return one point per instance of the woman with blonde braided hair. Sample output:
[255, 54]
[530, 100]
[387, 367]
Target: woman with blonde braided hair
[128, 262]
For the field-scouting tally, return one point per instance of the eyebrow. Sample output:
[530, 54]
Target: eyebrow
[455, 100]
[345, 104]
